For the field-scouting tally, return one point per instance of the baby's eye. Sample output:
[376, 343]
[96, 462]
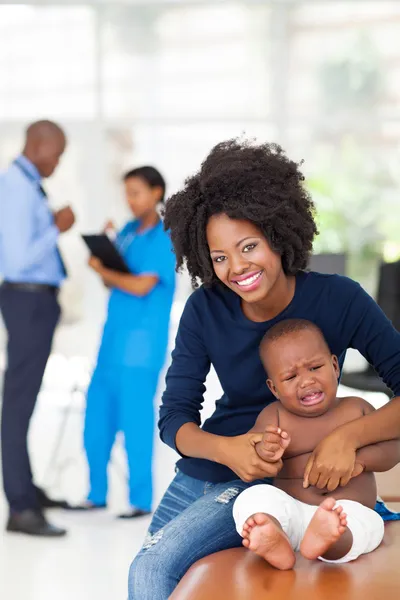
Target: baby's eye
[290, 378]
[249, 247]
[315, 368]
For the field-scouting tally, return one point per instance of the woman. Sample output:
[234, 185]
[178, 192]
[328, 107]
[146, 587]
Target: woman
[132, 352]
[244, 225]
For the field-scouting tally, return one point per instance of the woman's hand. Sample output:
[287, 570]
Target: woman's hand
[95, 264]
[109, 227]
[359, 468]
[239, 454]
[332, 463]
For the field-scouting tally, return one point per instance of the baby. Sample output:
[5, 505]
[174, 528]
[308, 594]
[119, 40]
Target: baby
[275, 521]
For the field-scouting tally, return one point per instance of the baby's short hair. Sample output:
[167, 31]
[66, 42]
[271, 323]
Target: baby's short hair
[285, 328]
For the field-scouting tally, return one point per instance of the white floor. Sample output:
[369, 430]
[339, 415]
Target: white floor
[92, 562]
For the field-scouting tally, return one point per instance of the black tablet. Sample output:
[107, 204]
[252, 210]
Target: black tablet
[102, 247]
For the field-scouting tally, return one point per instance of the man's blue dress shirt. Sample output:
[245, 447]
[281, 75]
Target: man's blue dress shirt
[28, 235]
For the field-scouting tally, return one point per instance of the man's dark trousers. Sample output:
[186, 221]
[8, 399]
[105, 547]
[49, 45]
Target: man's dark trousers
[30, 317]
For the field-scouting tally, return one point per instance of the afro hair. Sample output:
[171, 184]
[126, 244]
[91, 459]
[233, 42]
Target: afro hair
[257, 183]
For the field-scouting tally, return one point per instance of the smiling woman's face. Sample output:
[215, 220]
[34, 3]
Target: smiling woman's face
[242, 258]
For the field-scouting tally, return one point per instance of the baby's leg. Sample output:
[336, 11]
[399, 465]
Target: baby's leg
[263, 534]
[360, 532]
[270, 523]
[327, 533]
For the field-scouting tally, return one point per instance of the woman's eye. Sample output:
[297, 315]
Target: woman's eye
[219, 259]
[249, 247]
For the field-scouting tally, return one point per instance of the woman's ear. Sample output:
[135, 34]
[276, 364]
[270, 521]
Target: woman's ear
[272, 387]
[158, 193]
[335, 363]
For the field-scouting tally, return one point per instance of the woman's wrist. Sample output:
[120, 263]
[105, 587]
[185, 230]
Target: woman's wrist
[104, 272]
[190, 438]
[345, 437]
[221, 449]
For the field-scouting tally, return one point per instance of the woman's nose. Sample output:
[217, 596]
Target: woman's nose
[239, 265]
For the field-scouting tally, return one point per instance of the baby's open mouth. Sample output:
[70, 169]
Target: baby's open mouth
[312, 398]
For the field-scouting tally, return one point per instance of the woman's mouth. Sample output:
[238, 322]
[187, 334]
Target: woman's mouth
[250, 282]
[312, 398]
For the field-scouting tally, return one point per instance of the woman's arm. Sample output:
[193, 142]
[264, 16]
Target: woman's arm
[182, 400]
[239, 453]
[379, 457]
[138, 285]
[378, 426]
[374, 336]
[379, 342]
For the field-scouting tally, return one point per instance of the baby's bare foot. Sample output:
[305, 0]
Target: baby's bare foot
[325, 528]
[264, 536]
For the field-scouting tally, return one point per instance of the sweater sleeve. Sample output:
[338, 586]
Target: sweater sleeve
[374, 336]
[183, 396]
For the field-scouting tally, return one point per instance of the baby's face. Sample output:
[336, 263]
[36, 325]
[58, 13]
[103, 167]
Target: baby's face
[302, 373]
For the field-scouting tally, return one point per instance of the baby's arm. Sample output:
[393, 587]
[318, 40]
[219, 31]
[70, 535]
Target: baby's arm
[379, 457]
[275, 441]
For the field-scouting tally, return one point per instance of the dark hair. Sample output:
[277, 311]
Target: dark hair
[257, 183]
[287, 327]
[150, 175]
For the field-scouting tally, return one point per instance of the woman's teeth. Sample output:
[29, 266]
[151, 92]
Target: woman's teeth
[249, 280]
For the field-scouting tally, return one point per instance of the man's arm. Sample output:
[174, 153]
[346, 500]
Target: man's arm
[23, 248]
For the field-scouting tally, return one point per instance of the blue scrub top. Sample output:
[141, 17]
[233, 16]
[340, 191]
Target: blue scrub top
[136, 330]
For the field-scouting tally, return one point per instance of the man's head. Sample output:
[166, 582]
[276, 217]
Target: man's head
[44, 144]
[302, 372]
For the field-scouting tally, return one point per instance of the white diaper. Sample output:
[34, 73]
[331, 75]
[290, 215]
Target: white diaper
[294, 516]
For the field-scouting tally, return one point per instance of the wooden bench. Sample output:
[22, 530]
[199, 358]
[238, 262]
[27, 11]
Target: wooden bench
[240, 575]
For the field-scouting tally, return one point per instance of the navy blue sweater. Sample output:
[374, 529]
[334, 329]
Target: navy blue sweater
[214, 330]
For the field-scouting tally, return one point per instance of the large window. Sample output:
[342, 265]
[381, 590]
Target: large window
[343, 116]
[203, 62]
[47, 62]
[163, 81]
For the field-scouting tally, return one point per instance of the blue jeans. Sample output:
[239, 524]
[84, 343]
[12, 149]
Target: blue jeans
[193, 520]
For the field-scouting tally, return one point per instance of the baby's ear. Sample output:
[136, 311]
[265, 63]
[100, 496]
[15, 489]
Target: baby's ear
[272, 387]
[335, 363]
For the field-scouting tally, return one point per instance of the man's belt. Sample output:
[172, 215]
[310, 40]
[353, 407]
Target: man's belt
[29, 287]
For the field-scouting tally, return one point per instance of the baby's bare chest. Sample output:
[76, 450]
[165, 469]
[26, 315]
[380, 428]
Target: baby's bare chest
[307, 432]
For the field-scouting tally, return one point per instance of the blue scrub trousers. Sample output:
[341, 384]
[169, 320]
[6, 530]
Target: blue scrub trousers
[121, 398]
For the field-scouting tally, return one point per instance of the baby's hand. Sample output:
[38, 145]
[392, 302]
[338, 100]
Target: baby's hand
[273, 444]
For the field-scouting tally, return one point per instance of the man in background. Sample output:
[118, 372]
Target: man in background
[32, 269]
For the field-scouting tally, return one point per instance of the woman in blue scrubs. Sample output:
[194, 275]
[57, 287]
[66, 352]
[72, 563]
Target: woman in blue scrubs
[133, 348]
